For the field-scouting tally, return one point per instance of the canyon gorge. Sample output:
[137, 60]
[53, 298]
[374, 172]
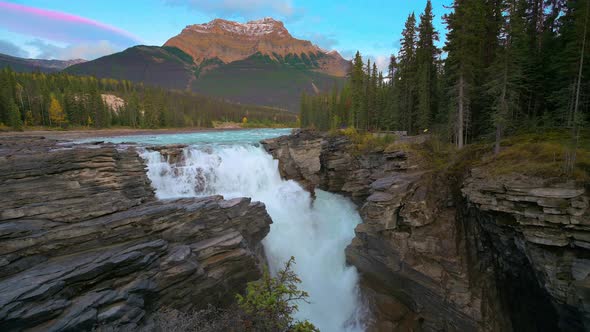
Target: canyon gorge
[437, 252]
[105, 234]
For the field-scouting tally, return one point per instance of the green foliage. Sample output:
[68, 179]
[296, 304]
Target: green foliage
[543, 155]
[363, 142]
[270, 302]
[276, 83]
[510, 64]
[426, 57]
[179, 53]
[14, 116]
[532, 153]
[54, 100]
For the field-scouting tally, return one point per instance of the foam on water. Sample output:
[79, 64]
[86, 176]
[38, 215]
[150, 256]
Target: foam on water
[315, 233]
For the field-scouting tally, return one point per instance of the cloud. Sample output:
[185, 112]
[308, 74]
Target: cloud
[348, 54]
[327, 42]
[59, 26]
[242, 8]
[382, 60]
[9, 48]
[87, 51]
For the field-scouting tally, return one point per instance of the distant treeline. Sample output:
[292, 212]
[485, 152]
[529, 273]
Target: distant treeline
[506, 65]
[62, 100]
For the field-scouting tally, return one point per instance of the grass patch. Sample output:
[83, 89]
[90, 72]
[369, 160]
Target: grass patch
[542, 155]
[365, 142]
[532, 154]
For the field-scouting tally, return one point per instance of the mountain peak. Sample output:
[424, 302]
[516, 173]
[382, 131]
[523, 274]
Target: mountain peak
[253, 29]
[230, 41]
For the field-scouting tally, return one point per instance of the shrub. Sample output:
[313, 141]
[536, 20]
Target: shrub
[363, 142]
[271, 302]
[267, 306]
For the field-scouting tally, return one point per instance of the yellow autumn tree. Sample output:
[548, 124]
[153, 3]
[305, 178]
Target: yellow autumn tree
[56, 112]
[244, 120]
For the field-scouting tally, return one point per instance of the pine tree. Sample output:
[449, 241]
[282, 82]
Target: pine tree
[465, 31]
[506, 71]
[392, 117]
[14, 116]
[374, 110]
[358, 93]
[426, 55]
[570, 88]
[369, 99]
[577, 119]
[407, 75]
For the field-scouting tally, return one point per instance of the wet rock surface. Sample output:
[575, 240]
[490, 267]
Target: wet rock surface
[85, 244]
[498, 255]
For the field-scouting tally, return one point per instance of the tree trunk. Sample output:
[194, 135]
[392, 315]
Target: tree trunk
[575, 129]
[503, 109]
[460, 120]
[579, 83]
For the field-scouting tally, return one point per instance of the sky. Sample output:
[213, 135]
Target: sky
[88, 29]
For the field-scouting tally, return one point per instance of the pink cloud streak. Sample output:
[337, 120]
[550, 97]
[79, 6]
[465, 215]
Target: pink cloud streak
[44, 14]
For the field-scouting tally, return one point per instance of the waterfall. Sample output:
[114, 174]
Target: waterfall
[316, 234]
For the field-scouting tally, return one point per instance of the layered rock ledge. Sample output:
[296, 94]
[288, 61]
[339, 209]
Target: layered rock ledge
[438, 254]
[84, 243]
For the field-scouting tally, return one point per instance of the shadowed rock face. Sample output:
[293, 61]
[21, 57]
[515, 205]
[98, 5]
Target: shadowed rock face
[504, 254]
[536, 235]
[84, 242]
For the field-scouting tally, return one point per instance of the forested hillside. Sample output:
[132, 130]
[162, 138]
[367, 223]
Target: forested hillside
[506, 65]
[64, 100]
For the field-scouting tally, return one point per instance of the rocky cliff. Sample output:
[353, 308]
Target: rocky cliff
[468, 254]
[84, 243]
[228, 41]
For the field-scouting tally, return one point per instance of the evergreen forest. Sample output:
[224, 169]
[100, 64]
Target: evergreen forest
[64, 101]
[506, 65]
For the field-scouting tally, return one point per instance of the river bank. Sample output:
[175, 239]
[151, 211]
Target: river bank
[90, 133]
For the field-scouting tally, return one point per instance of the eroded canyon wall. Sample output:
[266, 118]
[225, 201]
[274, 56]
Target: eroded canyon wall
[85, 244]
[437, 253]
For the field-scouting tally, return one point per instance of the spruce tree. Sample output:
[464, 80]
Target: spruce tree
[505, 77]
[426, 55]
[358, 93]
[466, 29]
[407, 75]
[14, 115]
[392, 113]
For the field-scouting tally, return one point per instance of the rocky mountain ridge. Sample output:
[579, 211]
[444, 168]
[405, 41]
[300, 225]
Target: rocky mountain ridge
[503, 254]
[229, 41]
[30, 65]
[253, 63]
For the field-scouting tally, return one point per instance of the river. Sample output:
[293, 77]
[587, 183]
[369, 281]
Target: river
[232, 164]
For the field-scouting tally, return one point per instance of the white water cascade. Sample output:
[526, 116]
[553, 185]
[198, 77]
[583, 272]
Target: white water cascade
[315, 234]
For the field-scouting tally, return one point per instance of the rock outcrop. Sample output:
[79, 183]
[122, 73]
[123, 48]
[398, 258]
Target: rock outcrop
[229, 41]
[500, 255]
[535, 234]
[85, 244]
